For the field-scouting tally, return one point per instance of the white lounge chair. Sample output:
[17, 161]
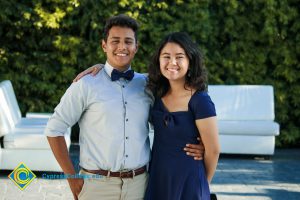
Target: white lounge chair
[23, 139]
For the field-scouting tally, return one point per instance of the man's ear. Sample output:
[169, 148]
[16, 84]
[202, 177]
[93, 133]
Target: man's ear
[136, 47]
[104, 45]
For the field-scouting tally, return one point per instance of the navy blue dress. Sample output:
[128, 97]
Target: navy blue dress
[173, 175]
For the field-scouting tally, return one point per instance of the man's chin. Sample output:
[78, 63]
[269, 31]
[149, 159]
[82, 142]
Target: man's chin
[122, 66]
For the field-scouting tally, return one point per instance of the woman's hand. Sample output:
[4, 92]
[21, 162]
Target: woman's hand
[91, 70]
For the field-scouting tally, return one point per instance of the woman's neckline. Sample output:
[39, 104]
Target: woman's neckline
[179, 111]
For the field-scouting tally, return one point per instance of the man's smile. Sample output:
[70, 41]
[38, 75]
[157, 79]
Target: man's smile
[121, 54]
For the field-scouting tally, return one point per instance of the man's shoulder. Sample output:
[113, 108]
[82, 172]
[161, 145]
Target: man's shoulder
[142, 76]
[92, 79]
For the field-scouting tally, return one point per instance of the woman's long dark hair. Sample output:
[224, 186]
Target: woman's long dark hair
[196, 77]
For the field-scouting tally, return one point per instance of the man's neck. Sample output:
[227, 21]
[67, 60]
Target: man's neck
[120, 69]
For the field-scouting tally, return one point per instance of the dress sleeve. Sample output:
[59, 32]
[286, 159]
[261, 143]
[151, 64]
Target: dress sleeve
[202, 106]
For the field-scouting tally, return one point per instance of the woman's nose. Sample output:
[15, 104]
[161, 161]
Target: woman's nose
[173, 61]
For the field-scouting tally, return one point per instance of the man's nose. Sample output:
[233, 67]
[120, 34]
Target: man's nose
[122, 46]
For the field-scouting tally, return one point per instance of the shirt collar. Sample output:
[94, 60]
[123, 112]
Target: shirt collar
[108, 68]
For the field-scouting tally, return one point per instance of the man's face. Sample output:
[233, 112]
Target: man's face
[120, 47]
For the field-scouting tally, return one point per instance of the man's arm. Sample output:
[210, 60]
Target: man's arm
[195, 150]
[91, 70]
[66, 114]
[59, 148]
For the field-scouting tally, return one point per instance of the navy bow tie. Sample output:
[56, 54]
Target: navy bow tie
[116, 75]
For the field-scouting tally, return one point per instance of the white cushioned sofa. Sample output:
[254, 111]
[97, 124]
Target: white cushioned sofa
[23, 139]
[245, 118]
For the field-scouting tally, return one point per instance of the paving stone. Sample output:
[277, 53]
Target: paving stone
[237, 178]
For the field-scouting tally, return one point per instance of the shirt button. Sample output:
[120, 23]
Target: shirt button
[126, 156]
[126, 120]
[123, 86]
[125, 102]
[127, 138]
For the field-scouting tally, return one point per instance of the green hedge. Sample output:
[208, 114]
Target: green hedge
[44, 44]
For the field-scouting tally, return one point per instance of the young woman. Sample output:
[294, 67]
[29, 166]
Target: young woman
[182, 111]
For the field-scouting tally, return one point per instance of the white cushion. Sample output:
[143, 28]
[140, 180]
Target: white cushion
[36, 160]
[29, 140]
[247, 144]
[243, 127]
[0, 155]
[38, 115]
[24, 126]
[243, 102]
[32, 122]
[11, 100]
[6, 120]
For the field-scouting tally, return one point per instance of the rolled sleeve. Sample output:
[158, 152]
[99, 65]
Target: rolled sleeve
[68, 111]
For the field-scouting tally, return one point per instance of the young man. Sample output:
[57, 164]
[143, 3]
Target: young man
[112, 110]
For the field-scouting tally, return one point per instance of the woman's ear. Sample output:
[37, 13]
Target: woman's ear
[188, 74]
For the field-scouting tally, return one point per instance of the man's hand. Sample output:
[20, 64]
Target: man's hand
[76, 186]
[91, 70]
[195, 150]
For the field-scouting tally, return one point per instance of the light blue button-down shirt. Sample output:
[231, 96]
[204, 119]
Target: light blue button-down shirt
[113, 120]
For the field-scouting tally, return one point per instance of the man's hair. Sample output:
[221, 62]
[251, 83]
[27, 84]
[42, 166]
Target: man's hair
[121, 21]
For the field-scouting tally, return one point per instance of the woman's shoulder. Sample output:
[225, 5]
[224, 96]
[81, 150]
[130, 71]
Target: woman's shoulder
[201, 96]
[201, 105]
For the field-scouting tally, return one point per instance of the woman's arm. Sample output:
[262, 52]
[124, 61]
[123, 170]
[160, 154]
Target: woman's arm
[93, 70]
[208, 130]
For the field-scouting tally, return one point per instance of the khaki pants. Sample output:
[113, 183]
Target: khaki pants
[113, 188]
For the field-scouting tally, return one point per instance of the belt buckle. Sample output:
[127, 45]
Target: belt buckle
[121, 172]
[127, 173]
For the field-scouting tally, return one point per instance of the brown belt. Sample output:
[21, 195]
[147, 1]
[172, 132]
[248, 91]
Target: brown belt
[127, 174]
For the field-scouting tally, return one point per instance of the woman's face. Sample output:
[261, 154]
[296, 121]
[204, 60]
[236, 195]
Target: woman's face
[174, 62]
